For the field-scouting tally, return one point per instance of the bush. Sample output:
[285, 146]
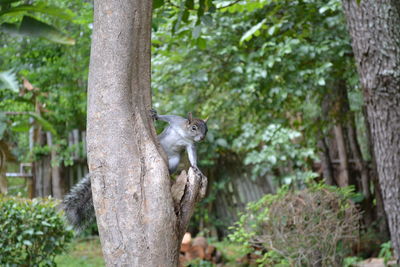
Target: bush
[32, 232]
[311, 227]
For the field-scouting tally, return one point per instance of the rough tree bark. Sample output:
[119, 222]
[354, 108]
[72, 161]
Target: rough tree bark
[375, 31]
[141, 220]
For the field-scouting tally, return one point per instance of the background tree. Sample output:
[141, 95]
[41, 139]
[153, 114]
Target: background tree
[374, 28]
[48, 90]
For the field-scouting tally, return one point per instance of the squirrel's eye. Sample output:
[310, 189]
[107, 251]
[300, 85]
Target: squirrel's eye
[194, 127]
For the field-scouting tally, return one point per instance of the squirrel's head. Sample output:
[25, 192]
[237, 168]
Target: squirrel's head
[197, 128]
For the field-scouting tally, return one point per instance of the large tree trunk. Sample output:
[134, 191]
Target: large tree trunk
[374, 26]
[141, 221]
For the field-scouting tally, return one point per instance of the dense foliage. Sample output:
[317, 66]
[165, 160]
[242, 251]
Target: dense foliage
[314, 226]
[53, 78]
[32, 233]
[273, 61]
[20, 18]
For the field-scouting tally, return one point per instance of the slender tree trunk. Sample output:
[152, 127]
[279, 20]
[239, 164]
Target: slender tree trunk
[56, 182]
[375, 31]
[141, 219]
[343, 177]
[326, 162]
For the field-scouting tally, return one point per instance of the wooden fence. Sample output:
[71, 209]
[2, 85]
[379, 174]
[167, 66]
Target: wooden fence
[45, 176]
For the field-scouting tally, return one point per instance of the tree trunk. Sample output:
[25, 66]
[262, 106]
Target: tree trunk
[343, 177]
[380, 213]
[326, 162]
[374, 28]
[141, 220]
[344, 145]
[56, 182]
[46, 165]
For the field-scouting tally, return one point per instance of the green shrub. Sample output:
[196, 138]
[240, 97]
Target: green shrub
[386, 252]
[315, 226]
[32, 232]
[351, 261]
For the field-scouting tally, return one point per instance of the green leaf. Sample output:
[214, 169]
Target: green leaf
[46, 223]
[20, 126]
[201, 43]
[8, 80]
[44, 123]
[189, 4]
[181, 16]
[200, 10]
[210, 7]
[321, 81]
[157, 3]
[29, 231]
[174, 23]
[357, 197]
[222, 142]
[185, 16]
[27, 243]
[323, 9]
[9, 28]
[40, 8]
[35, 28]
[249, 34]
[4, 2]
[272, 29]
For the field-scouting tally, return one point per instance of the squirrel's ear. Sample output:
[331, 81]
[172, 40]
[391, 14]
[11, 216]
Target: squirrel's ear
[205, 120]
[190, 118]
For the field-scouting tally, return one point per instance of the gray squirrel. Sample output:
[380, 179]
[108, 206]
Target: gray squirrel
[181, 133]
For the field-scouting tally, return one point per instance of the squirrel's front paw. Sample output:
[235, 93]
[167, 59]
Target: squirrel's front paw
[153, 114]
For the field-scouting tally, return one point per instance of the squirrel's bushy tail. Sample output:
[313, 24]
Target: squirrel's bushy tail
[78, 205]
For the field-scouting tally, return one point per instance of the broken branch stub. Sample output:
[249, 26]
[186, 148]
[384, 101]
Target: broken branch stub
[188, 189]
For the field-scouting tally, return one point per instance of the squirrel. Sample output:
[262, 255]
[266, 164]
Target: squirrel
[181, 133]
